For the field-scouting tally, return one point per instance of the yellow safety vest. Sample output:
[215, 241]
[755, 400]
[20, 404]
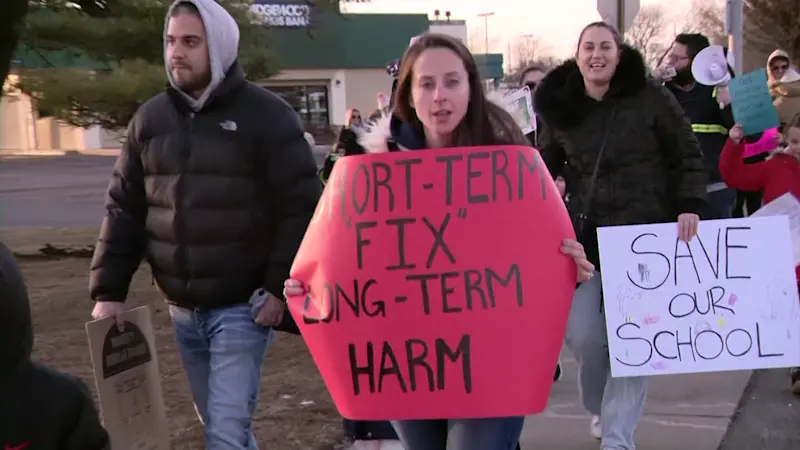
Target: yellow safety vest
[709, 129]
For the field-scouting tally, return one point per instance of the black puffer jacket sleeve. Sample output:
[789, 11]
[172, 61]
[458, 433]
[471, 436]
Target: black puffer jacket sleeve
[552, 153]
[682, 152]
[294, 189]
[122, 239]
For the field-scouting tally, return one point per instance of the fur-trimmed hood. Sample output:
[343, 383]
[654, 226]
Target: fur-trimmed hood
[561, 98]
[389, 128]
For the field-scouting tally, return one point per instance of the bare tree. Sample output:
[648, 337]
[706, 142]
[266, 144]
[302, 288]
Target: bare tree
[476, 41]
[707, 17]
[528, 49]
[771, 24]
[647, 32]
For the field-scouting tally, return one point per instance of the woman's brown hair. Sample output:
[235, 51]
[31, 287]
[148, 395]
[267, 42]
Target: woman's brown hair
[485, 123]
[600, 24]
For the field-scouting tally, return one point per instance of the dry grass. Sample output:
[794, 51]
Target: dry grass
[60, 304]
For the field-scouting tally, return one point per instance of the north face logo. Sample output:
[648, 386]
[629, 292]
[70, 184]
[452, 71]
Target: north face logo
[228, 125]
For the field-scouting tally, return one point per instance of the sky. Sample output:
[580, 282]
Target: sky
[556, 22]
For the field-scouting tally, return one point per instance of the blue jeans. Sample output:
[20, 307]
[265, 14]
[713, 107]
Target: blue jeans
[720, 204]
[618, 401]
[222, 351]
[461, 434]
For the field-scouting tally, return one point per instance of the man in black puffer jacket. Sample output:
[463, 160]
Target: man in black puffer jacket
[214, 187]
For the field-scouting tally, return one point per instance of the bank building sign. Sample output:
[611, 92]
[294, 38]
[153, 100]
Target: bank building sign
[280, 15]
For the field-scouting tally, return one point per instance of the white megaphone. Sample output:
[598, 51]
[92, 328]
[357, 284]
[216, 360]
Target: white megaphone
[710, 67]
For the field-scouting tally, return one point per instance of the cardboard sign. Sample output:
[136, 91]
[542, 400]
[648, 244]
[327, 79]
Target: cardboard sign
[727, 300]
[437, 286]
[127, 381]
[520, 105]
[752, 102]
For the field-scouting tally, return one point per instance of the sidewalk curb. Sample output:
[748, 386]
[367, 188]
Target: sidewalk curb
[766, 416]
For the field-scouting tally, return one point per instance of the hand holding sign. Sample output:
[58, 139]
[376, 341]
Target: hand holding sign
[426, 273]
[574, 250]
[127, 380]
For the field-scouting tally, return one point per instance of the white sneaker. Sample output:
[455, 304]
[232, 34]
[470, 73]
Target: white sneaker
[596, 428]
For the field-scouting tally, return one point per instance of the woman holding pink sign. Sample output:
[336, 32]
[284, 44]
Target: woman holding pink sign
[440, 103]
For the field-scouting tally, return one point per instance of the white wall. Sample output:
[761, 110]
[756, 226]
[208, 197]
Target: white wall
[363, 87]
[97, 137]
[12, 123]
[22, 130]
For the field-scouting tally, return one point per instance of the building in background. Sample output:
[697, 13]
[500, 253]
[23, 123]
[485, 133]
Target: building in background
[337, 62]
[330, 62]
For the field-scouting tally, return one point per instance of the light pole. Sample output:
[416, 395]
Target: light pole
[734, 22]
[486, 16]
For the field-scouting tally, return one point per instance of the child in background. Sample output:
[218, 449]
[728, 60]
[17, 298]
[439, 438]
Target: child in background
[777, 175]
[757, 149]
[40, 408]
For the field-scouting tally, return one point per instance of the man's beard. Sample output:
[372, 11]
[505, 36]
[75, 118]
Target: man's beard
[684, 76]
[193, 83]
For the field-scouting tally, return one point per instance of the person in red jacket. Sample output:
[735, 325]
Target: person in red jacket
[777, 175]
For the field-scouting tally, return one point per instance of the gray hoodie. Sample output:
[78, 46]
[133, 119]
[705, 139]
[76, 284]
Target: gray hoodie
[222, 35]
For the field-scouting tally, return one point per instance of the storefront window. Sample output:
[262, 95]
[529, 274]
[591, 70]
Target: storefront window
[311, 104]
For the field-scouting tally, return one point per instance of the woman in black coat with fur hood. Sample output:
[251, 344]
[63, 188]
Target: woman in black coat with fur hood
[634, 160]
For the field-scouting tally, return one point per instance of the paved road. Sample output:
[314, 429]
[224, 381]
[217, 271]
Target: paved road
[683, 412]
[53, 191]
[58, 191]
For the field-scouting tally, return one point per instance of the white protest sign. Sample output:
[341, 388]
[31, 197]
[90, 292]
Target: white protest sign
[128, 383]
[520, 105]
[727, 300]
[785, 205]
